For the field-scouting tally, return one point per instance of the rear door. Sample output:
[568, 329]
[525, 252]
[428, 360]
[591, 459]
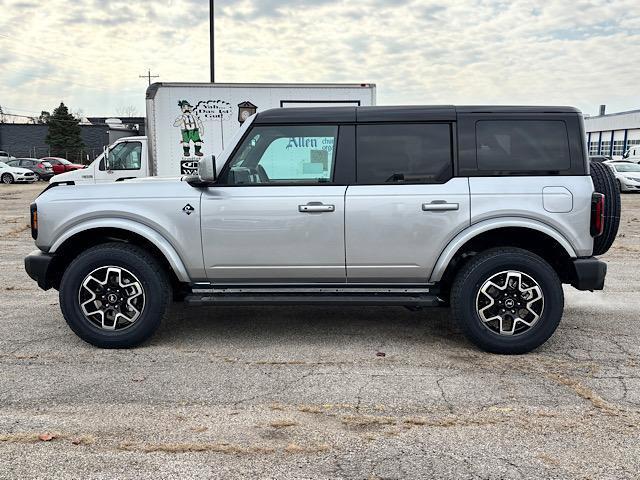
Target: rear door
[405, 206]
[277, 215]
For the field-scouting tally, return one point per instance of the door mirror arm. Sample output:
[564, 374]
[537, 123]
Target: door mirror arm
[105, 156]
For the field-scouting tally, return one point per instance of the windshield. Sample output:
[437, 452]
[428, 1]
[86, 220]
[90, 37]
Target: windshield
[628, 167]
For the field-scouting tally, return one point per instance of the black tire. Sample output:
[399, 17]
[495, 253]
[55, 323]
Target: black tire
[154, 281]
[483, 266]
[7, 179]
[605, 182]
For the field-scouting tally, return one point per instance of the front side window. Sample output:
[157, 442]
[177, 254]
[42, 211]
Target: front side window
[522, 145]
[125, 156]
[404, 153]
[284, 154]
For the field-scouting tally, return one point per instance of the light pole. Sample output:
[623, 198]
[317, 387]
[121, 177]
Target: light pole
[212, 52]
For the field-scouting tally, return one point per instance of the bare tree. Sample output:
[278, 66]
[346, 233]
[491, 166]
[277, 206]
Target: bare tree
[127, 111]
[3, 117]
[78, 113]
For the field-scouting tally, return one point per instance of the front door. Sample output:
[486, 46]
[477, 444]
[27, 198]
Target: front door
[276, 215]
[125, 161]
[405, 206]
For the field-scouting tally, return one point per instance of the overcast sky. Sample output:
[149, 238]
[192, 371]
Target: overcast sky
[89, 53]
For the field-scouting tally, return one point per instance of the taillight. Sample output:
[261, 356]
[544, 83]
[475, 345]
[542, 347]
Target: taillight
[597, 214]
[40, 165]
[34, 220]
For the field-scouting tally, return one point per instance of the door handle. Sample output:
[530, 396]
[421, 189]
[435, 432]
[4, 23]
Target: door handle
[439, 206]
[313, 207]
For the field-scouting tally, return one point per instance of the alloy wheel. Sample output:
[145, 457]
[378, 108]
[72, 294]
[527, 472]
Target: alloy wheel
[509, 302]
[111, 298]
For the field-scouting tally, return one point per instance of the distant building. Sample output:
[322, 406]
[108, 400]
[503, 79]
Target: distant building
[612, 134]
[28, 140]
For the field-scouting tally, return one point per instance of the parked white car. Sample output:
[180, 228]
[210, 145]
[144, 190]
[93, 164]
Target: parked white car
[4, 156]
[627, 175]
[9, 174]
[633, 154]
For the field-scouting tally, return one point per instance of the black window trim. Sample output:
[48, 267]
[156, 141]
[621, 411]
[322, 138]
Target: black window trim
[452, 145]
[346, 153]
[526, 173]
[337, 177]
[467, 165]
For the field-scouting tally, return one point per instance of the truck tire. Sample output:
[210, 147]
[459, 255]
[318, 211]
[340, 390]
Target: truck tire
[507, 300]
[604, 181]
[114, 295]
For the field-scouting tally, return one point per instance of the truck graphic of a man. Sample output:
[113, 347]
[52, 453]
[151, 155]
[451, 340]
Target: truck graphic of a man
[191, 128]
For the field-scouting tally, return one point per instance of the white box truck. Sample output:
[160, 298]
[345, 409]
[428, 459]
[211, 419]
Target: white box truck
[186, 121]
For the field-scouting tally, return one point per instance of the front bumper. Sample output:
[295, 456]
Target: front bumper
[588, 273]
[38, 267]
[28, 179]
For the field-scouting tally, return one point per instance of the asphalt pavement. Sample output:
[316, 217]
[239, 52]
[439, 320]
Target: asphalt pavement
[317, 392]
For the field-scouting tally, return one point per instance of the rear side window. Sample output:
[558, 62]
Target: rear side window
[522, 145]
[404, 153]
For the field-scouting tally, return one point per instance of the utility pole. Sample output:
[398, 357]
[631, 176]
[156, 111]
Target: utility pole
[212, 52]
[149, 76]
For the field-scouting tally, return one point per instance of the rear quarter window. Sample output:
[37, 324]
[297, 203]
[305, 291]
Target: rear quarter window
[522, 145]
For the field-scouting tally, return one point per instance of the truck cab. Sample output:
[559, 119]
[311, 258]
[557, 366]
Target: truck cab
[123, 160]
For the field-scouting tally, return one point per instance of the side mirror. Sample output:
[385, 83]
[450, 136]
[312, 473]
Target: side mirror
[207, 169]
[105, 158]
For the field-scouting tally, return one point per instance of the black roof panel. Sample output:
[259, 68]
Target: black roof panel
[306, 115]
[427, 113]
[407, 113]
[515, 109]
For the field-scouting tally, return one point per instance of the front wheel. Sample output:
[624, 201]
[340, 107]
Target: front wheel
[7, 179]
[507, 300]
[114, 295]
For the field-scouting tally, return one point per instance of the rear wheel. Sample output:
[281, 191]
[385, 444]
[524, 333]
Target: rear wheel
[7, 178]
[604, 181]
[114, 295]
[507, 300]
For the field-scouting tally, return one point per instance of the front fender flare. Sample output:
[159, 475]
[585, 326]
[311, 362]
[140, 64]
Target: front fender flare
[492, 224]
[150, 234]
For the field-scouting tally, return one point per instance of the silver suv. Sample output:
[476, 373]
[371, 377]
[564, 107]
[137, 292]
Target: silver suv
[488, 210]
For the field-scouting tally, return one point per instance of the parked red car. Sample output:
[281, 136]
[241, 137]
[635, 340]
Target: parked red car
[61, 165]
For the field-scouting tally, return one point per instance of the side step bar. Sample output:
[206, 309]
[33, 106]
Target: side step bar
[354, 299]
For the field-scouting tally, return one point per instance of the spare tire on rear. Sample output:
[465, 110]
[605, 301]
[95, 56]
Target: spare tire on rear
[604, 181]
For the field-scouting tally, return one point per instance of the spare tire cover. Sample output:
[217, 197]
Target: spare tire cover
[604, 181]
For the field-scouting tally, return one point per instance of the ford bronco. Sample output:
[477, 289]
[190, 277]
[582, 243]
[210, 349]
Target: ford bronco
[488, 210]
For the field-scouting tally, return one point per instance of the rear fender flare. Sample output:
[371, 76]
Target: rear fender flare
[492, 224]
